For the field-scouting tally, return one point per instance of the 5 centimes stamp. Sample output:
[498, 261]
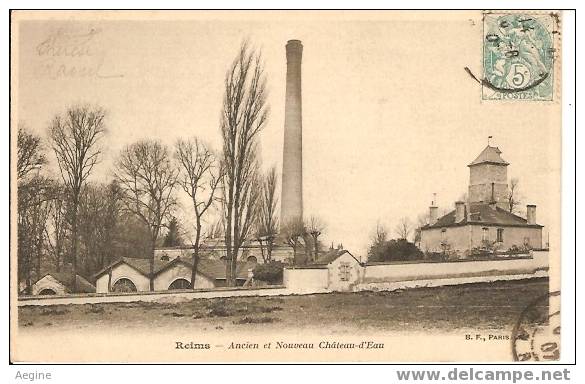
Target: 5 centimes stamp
[518, 56]
[537, 333]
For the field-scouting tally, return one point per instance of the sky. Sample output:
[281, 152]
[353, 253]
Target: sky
[389, 114]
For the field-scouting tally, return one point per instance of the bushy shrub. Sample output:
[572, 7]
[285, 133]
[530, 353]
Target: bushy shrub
[515, 249]
[270, 272]
[436, 256]
[395, 250]
[481, 253]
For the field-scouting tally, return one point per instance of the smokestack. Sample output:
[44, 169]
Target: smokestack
[459, 211]
[292, 157]
[531, 214]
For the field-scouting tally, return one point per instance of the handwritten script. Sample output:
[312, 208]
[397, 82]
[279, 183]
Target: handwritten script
[68, 54]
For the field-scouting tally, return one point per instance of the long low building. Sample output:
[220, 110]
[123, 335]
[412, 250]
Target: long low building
[132, 274]
[215, 249]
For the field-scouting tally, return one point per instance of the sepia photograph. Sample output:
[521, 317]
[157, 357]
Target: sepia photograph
[285, 186]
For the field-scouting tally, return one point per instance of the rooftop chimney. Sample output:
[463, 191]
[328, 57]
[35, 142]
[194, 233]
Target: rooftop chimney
[459, 211]
[433, 211]
[531, 214]
[292, 157]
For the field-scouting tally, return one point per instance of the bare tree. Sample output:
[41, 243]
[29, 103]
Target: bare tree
[147, 180]
[244, 115]
[403, 228]
[315, 228]
[293, 232]
[216, 229]
[112, 222]
[267, 227]
[199, 176]
[34, 206]
[380, 234]
[30, 153]
[56, 230]
[74, 138]
[98, 218]
[513, 195]
[421, 221]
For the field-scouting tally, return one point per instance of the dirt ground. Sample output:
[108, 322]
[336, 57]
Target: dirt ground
[493, 306]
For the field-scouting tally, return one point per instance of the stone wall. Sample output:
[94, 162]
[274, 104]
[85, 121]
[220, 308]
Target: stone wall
[521, 264]
[158, 297]
[306, 280]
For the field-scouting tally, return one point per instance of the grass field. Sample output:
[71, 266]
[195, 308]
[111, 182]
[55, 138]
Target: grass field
[494, 306]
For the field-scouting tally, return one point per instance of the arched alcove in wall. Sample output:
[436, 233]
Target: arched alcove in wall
[180, 284]
[124, 285]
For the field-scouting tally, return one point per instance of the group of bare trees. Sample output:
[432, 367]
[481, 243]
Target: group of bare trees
[399, 248]
[32, 204]
[45, 203]
[71, 221]
[147, 179]
[303, 238]
[84, 225]
[67, 224]
[75, 140]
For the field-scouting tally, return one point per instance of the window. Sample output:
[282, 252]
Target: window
[179, 284]
[344, 271]
[124, 285]
[252, 259]
[485, 234]
[500, 235]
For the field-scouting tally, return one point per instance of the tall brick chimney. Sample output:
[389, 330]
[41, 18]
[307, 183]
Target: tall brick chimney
[459, 211]
[292, 157]
[531, 214]
[433, 213]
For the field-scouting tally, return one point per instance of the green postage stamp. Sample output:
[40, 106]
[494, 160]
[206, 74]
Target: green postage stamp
[518, 56]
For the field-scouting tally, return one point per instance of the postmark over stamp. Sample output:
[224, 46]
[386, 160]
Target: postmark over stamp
[537, 333]
[518, 56]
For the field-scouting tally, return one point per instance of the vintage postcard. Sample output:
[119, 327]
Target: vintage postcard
[303, 186]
